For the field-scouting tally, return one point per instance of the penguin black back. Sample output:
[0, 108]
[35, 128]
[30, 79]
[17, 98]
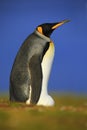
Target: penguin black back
[26, 69]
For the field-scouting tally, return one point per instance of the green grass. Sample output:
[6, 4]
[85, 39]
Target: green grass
[69, 113]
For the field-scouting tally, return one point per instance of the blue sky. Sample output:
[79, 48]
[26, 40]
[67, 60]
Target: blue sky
[19, 18]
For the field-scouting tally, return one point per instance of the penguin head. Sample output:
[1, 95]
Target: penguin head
[47, 28]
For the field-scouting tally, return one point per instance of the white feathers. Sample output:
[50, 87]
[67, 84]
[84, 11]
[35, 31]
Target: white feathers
[28, 101]
[45, 99]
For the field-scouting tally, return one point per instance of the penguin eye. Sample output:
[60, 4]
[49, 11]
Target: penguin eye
[40, 30]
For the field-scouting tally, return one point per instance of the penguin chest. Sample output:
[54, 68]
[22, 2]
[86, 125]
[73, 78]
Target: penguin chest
[45, 99]
[46, 66]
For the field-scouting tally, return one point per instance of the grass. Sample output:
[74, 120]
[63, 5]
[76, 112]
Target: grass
[69, 112]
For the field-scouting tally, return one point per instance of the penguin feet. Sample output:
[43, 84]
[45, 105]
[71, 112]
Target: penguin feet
[46, 100]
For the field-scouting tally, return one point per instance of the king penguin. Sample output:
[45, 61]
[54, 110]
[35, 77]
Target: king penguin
[31, 69]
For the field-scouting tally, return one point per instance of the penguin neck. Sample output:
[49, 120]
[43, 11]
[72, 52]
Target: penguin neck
[42, 36]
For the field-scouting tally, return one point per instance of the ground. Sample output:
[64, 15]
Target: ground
[69, 113]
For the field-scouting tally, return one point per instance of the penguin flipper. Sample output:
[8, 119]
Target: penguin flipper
[36, 78]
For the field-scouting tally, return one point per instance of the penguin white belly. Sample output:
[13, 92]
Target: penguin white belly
[45, 99]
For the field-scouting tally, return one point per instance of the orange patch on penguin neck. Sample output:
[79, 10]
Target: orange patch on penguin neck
[40, 30]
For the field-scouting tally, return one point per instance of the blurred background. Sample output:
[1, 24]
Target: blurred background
[19, 18]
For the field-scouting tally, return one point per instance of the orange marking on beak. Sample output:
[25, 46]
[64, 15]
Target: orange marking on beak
[60, 23]
[57, 25]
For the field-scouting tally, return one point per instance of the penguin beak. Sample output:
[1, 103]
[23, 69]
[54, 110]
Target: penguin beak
[56, 25]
